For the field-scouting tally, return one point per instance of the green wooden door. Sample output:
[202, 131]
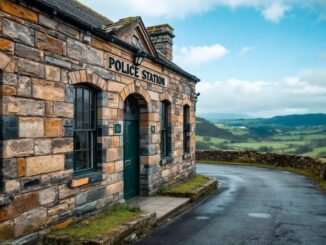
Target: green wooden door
[131, 149]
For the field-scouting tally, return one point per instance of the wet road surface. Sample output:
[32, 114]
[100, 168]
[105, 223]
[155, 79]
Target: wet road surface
[253, 206]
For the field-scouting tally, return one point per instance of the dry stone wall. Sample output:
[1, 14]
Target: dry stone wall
[316, 165]
[41, 59]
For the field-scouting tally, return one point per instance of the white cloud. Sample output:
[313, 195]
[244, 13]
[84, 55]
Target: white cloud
[275, 12]
[244, 50]
[193, 56]
[302, 93]
[272, 10]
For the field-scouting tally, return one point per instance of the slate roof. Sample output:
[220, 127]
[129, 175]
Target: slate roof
[80, 11]
[85, 14]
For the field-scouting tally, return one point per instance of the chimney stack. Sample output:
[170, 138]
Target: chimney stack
[161, 37]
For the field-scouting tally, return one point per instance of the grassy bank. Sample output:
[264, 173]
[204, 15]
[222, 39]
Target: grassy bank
[103, 223]
[305, 172]
[186, 186]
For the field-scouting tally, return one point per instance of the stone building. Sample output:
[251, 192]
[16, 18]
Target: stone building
[93, 112]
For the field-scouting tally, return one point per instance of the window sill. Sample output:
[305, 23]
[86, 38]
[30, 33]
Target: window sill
[166, 160]
[187, 156]
[85, 179]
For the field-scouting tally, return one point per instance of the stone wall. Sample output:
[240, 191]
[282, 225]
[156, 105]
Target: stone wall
[316, 165]
[41, 58]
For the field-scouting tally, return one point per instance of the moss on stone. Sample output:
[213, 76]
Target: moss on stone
[6, 232]
[186, 186]
[102, 224]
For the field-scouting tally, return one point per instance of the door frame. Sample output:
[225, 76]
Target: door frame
[136, 120]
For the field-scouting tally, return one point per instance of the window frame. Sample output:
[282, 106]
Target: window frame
[165, 116]
[186, 129]
[91, 131]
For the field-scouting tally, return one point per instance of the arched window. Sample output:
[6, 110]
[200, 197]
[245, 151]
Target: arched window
[85, 129]
[186, 129]
[165, 129]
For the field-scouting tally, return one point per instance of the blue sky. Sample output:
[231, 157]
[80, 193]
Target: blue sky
[254, 57]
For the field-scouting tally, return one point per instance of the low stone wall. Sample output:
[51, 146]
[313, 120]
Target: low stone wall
[316, 165]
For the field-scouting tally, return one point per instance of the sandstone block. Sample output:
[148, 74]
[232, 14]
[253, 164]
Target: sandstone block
[81, 52]
[9, 78]
[47, 196]
[28, 52]
[18, 32]
[7, 46]
[53, 127]
[118, 166]
[44, 164]
[6, 90]
[57, 62]
[4, 60]
[31, 127]
[19, 205]
[52, 73]
[42, 146]
[18, 10]
[62, 109]
[47, 22]
[23, 107]
[109, 168]
[113, 154]
[7, 230]
[115, 188]
[9, 168]
[24, 87]
[9, 127]
[49, 43]
[62, 145]
[48, 90]
[17, 148]
[21, 167]
[30, 68]
[79, 182]
[65, 191]
[12, 186]
[30, 221]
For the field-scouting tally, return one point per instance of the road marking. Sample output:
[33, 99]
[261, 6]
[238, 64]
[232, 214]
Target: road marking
[259, 215]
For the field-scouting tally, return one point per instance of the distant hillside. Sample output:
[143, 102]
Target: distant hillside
[206, 128]
[306, 120]
[220, 117]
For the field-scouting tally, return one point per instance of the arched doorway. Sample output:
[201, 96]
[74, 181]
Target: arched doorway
[131, 147]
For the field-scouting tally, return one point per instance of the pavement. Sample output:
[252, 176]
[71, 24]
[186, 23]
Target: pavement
[163, 206]
[252, 206]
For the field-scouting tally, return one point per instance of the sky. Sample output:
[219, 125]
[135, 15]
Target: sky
[259, 58]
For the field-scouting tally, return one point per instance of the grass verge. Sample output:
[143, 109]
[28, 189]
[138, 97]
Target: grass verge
[321, 184]
[103, 223]
[186, 186]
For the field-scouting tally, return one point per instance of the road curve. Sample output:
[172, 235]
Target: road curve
[253, 206]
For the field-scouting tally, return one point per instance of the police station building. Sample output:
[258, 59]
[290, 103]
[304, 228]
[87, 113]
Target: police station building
[93, 112]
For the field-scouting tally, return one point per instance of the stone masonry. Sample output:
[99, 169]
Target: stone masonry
[42, 57]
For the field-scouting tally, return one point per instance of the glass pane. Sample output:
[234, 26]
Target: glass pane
[78, 160]
[93, 110]
[83, 141]
[77, 140]
[79, 108]
[86, 159]
[86, 110]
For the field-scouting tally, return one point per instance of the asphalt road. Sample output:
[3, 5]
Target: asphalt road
[253, 206]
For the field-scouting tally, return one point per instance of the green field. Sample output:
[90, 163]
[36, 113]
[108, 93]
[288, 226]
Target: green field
[307, 141]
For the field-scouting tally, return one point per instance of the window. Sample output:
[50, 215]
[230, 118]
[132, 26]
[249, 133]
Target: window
[186, 129]
[165, 134]
[85, 129]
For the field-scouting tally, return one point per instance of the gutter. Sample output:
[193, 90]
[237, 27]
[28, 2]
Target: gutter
[51, 9]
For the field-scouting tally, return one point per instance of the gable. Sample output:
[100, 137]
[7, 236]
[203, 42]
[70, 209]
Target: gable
[133, 31]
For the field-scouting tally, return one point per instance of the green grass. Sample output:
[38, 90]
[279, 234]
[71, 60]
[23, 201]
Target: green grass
[316, 151]
[100, 225]
[186, 186]
[305, 172]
